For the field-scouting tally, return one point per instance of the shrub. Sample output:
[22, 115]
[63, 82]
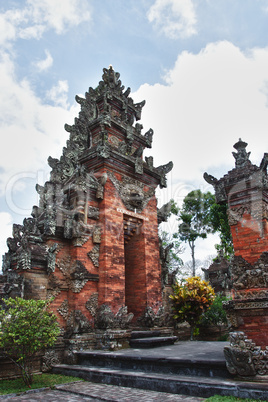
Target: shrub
[216, 315]
[191, 298]
[26, 327]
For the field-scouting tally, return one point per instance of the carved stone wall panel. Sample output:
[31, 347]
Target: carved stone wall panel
[92, 304]
[64, 309]
[96, 235]
[94, 255]
[132, 192]
[93, 212]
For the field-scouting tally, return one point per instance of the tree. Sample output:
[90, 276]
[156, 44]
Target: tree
[191, 298]
[194, 219]
[219, 221]
[26, 327]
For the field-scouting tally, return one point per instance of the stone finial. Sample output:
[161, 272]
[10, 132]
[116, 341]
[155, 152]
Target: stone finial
[242, 156]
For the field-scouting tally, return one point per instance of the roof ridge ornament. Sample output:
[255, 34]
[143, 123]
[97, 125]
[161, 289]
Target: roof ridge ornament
[241, 156]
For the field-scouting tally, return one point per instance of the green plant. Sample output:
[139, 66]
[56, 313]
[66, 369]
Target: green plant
[216, 315]
[191, 298]
[40, 381]
[26, 328]
[219, 398]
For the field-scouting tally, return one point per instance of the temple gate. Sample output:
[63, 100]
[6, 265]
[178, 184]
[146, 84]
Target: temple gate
[92, 243]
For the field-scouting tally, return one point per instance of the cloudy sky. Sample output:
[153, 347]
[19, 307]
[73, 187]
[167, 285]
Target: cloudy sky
[201, 66]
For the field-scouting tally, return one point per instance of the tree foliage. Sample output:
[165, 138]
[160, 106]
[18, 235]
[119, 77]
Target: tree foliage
[199, 216]
[219, 222]
[26, 328]
[194, 218]
[191, 298]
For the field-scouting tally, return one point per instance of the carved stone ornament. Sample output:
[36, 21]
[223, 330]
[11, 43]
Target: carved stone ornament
[151, 319]
[132, 192]
[163, 170]
[64, 265]
[92, 304]
[77, 323]
[96, 235]
[94, 255]
[79, 276]
[50, 359]
[165, 262]
[242, 156]
[93, 213]
[245, 359]
[51, 258]
[106, 319]
[246, 276]
[163, 213]
[64, 309]
[235, 215]
[220, 193]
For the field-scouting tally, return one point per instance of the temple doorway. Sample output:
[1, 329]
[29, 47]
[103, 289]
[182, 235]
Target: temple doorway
[135, 275]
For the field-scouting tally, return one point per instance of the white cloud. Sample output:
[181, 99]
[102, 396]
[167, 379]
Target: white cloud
[7, 30]
[6, 231]
[57, 14]
[39, 16]
[59, 94]
[43, 65]
[174, 18]
[210, 100]
[30, 129]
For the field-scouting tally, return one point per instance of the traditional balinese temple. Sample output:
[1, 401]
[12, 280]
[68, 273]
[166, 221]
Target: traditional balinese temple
[245, 190]
[92, 243]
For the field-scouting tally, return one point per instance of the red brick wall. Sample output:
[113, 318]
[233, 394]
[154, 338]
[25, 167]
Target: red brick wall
[250, 237]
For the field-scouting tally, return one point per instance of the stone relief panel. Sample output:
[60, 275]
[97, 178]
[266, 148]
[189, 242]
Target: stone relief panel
[106, 319]
[92, 304]
[132, 192]
[94, 255]
[245, 276]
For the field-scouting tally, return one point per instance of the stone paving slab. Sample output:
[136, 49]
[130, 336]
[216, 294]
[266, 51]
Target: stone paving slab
[182, 350]
[87, 391]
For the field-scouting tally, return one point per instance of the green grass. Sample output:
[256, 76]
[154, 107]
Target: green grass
[218, 398]
[17, 385]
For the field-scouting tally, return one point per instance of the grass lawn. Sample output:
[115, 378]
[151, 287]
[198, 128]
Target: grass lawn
[40, 381]
[218, 398]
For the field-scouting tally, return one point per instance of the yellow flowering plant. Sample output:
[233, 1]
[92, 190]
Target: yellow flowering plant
[191, 298]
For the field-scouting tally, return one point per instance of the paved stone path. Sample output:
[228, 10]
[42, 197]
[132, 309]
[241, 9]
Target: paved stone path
[87, 391]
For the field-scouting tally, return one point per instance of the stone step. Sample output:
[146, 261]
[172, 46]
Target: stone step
[152, 342]
[152, 363]
[188, 385]
[145, 334]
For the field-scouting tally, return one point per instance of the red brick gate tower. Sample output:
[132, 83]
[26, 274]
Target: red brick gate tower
[92, 243]
[245, 190]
